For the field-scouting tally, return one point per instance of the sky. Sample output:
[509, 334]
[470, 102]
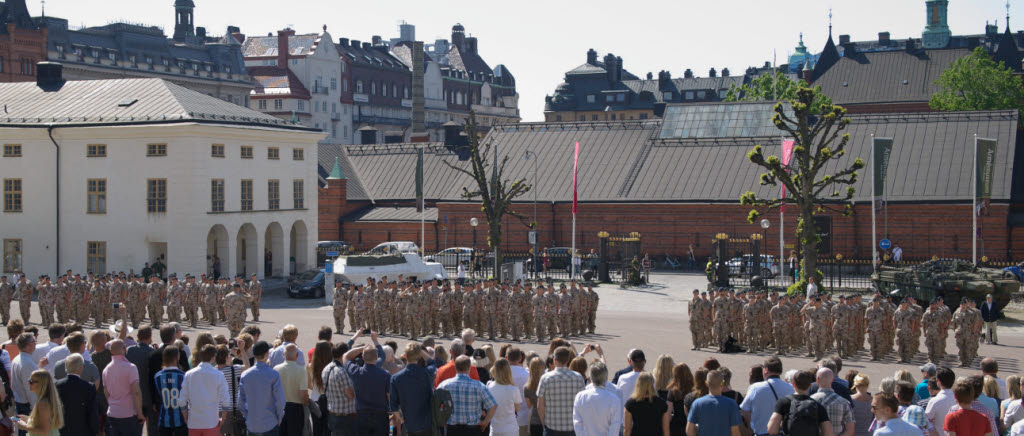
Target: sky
[538, 41]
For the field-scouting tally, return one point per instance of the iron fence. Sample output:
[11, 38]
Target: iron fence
[552, 267]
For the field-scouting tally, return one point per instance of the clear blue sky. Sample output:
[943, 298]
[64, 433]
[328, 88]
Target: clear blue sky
[539, 40]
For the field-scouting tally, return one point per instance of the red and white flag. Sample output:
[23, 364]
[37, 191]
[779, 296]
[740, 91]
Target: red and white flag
[575, 168]
[787, 155]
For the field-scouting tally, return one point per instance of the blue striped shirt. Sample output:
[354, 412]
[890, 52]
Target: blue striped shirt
[168, 386]
[470, 399]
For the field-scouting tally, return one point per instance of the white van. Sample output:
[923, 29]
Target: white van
[395, 247]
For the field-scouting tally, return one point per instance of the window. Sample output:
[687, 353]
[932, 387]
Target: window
[405, 92]
[12, 150]
[246, 194]
[591, 98]
[323, 106]
[297, 194]
[246, 152]
[156, 195]
[12, 195]
[273, 153]
[334, 108]
[394, 91]
[217, 195]
[593, 117]
[643, 116]
[302, 105]
[609, 98]
[97, 257]
[383, 89]
[373, 88]
[667, 95]
[722, 93]
[278, 104]
[344, 85]
[701, 95]
[12, 255]
[156, 150]
[217, 150]
[558, 118]
[689, 95]
[620, 97]
[298, 154]
[273, 194]
[96, 192]
[262, 105]
[295, 61]
[334, 83]
[613, 117]
[96, 150]
[359, 86]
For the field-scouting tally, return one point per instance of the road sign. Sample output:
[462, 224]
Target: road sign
[884, 244]
[329, 267]
[332, 254]
[533, 237]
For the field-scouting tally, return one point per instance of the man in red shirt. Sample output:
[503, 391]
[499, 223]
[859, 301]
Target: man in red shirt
[448, 371]
[966, 422]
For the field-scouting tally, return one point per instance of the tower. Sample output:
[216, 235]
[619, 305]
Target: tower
[184, 26]
[936, 31]
[459, 37]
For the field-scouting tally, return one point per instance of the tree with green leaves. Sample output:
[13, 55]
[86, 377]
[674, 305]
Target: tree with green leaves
[496, 193]
[976, 83]
[818, 140]
[778, 86]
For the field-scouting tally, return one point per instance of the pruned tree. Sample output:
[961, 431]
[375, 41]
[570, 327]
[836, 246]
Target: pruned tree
[495, 192]
[777, 86]
[818, 140]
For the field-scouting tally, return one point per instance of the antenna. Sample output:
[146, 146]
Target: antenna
[1007, 14]
[44, 8]
[830, 21]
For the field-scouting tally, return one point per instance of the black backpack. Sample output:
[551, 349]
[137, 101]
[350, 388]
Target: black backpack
[802, 419]
[442, 406]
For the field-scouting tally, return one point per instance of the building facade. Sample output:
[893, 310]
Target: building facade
[145, 170]
[22, 42]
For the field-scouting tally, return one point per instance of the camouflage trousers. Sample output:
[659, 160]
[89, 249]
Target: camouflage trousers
[551, 324]
[339, 318]
[490, 322]
[469, 319]
[25, 307]
[210, 312]
[877, 342]
[192, 312]
[818, 344]
[721, 333]
[515, 325]
[931, 342]
[46, 310]
[5, 310]
[254, 306]
[539, 327]
[136, 312]
[156, 314]
[592, 321]
[963, 344]
[457, 320]
[782, 339]
[352, 318]
[97, 313]
[447, 327]
[527, 324]
[235, 325]
[907, 345]
[751, 336]
[565, 324]
[174, 314]
[63, 314]
[501, 322]
[696, 334]
[709, 332]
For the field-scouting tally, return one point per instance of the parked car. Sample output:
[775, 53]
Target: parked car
[450, 257]
[309, 284]
[741, 266]
[396, 247]
[357, 268]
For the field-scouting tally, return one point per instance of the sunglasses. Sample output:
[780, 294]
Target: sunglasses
[32, 382]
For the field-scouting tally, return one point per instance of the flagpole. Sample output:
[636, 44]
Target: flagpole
[575, 171]
[782, 207]
[974, 204]
[874, 224]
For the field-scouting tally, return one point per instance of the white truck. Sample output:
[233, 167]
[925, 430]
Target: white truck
[356, 269]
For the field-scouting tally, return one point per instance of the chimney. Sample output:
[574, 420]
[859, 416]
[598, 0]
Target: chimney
[201, 32]
[688, 74]
[767, 64]
[843, 39]
[282, 47]
[471, 44]
[592, 57]
[376, 40]
[883, 38]
[712, 73]
[664, 81]
[236, 33]
[418, 98]
[725, 72]
[49, 75]
[356, 43]
[849, 49]
[343, 42]
[459, 36]
[911, 45]
[611, 65]
[367, 46]
[650, 75]
[973, 42]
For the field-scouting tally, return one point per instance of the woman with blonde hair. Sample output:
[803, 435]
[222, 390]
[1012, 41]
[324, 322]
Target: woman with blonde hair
[491, 356]
[537, 369]
[663, 374]
[507, 396]
[47, 416]
[1013, 388]
[862, 414]
[646, 413]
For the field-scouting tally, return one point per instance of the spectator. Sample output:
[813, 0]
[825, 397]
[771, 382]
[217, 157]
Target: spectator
[1017, 429]
[990, 398]
[170, 415]
[468, 338]
[887, 386]
[507, 396]
[990, 314]
[47, 414]
[243, 351]
[296, 394]
[885, 407]
[482, 364]
[138, 355]
[341, 399]
[537, 369]
[204, 393]
[840, 414]
[727, 390]
[627, 381]
[989, 367]
[288, 336]
[232, 373]
[447, 371]
[124, 397]
[759, 404]
[1011, 410]
[556, 394]
[927, 373]
[713, 414]
[712, 364]
[619, 373]
[700, 388]
[391, 364]
[324, 334]
[645, 412]
[261, 395]
[411, 394]
[862, 414]
[78, 398]
[204, 339]
[682, 384]
[56, 332]
[663, 374]
[964, 421]
[597, 410]
[808, 417]
[520, 377]
[371, 385]
[940, 404]
[909, 412]
[469, 398]
[756, 374]
[977, 383]
[14, 329]
[315, 369]
[21, 372]
[841, 389]
[579, 365]
[156, 358]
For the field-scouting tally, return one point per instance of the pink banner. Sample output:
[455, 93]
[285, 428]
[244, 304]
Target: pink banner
[575, 163]
[787, 156]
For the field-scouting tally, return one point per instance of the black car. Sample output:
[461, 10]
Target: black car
[306, 287]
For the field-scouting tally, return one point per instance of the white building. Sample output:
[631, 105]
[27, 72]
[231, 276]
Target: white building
[105, 175]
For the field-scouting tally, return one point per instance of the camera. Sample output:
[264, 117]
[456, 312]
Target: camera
[366, 331]
[117, 305]
[232, 343]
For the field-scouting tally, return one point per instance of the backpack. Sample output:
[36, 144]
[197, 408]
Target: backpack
[802, 419]
[442, 406]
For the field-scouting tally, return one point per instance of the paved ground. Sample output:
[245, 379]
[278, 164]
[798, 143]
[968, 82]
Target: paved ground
[652, 318]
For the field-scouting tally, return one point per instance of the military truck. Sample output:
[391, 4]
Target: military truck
[951, 279]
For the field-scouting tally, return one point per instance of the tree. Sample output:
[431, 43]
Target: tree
[817, 141]
[496, 193]
[764, 88]
[976, 83]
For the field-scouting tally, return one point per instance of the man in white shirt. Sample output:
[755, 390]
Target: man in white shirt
[939, 405]
[56, 332]
[288, 336]
[812, 289]
[627, 382]
[520, 377]
[461, 271]
[204, 393]
[897, 253]
[21, 371]
[597, 411]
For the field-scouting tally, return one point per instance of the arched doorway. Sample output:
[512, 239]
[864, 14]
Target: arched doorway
[273, 251]
[300, 247]
[247, 254]
[218, 256]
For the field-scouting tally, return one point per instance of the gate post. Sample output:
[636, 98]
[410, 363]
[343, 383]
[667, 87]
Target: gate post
[602, 265]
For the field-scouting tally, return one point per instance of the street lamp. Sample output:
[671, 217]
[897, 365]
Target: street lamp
[526, 156]
[765, 224]
[473, 222]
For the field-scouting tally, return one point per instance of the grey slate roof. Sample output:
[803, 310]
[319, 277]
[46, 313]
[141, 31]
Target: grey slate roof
[102, 102]
[394, 214]
[326, 154]
[298, 45]
[626, 162]
[879, 76]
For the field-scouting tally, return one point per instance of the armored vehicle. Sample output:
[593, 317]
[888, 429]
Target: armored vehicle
[949, 278]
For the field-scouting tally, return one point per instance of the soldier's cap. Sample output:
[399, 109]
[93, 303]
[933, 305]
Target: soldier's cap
[963, 300]
[236, 285]
[254, 274]
[562, 286]
[817, 299]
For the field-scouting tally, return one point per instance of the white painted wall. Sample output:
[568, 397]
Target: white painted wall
[130, 232]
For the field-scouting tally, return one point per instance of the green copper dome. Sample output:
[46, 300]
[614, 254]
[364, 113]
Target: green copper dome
[801, 54]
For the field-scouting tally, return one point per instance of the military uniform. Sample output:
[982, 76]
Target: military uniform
[62, 291]
[514, 317]
[817, 325]
[538, 303]
[255, 290]
[156, 303]
[875, 320]
[352, 293]
[115, 295]
[749, 325]
[175, 295]
[191, 301]
[565, 313]
[25, 290]
[722, 315]
[594, 300]
[80, 301]
[962, 325]
[693, 309]
[932, 324]
[904, 321]
[6, 295]
[46, 299]
[235, 305]
[96, 294]
[779, 315]
[339, 306]
[551, 312]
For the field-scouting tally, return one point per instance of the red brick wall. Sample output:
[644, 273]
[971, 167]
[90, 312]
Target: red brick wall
[20, 44]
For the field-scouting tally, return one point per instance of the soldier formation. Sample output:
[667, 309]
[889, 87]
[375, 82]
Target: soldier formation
[516, 311]
[92, 297]
[794, 324]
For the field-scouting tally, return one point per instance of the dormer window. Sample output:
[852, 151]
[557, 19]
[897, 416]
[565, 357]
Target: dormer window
[620, 97]
[609, 98]
[667, 95]
[95, 53]
[112, 56]
[167, 62]
[591, 98]
[60, 51]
